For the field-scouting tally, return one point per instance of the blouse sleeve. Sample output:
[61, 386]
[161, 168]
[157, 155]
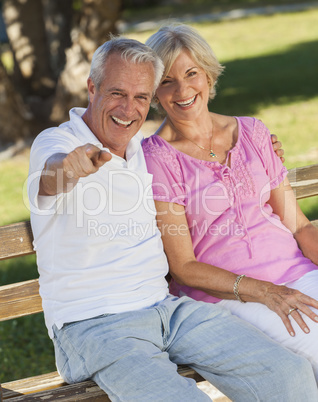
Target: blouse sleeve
[162, 163]
[275, 170]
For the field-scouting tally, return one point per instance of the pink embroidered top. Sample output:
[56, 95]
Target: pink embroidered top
[230, 222]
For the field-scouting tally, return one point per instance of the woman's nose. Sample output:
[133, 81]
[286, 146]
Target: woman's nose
[181, 88]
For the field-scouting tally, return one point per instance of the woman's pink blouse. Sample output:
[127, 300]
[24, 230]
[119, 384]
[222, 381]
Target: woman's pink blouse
[230, 222]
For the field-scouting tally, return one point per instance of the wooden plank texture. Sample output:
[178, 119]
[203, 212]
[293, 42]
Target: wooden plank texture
[19, 299]
[16, 240]
[46, 387]
[304, 181]
[32, 384]
[84, 391]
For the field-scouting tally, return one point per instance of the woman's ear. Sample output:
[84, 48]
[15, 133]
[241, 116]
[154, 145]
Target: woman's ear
[155, 99]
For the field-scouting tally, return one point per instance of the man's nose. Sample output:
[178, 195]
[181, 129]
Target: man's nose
[129, 106]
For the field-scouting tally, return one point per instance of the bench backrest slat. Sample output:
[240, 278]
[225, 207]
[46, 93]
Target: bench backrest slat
[16, 240]
[19, 299]
[304, 181]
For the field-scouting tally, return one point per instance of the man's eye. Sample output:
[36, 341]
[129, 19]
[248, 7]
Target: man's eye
[116, 94]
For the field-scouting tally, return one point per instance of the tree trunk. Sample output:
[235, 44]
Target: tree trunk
[32, 78]
[98, 18]
[51, 60]
[58, 16]
[27, 35]
[14, 116]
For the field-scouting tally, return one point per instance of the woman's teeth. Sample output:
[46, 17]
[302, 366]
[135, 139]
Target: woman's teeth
[187, 102]
[121, 122]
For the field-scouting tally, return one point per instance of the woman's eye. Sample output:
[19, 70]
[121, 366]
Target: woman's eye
[164, 82]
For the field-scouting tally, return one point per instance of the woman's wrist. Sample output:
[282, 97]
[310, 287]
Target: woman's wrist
[236, 288]
[251, 290]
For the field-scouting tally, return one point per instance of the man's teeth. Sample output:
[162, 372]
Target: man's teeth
[122, 122]
[187, 102]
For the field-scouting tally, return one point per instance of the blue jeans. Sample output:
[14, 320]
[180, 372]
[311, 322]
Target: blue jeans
[133, 356]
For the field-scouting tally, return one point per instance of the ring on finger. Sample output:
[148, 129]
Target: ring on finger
[291, 310]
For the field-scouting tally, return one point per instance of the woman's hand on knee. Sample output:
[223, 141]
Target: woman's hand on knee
[287, 302]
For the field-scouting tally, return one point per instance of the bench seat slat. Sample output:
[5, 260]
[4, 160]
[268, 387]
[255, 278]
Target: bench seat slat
[84, 391]
[32, 384]
[52, 386]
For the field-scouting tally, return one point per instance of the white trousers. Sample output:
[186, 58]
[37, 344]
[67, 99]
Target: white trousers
[271, 324]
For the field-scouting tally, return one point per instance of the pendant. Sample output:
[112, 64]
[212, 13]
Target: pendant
[212, 154]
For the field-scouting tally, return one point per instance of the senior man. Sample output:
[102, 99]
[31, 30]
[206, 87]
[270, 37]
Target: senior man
[102, 266]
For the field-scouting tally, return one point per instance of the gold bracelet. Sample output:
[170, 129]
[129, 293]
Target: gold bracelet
[236, 288]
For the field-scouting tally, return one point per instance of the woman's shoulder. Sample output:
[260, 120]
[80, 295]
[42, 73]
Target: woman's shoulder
[156, 146]
[255, 129]
[250, 124]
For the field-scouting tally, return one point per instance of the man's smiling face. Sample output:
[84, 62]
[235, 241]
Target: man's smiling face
[119, 107]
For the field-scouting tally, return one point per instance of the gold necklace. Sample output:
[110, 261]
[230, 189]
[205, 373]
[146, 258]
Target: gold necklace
[211, 152]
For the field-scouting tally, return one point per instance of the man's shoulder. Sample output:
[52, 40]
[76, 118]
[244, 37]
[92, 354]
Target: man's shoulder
[61, 133]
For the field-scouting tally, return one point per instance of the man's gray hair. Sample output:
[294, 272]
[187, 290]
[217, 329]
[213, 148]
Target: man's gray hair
[128, 49]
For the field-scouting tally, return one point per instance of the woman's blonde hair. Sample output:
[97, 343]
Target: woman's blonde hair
[170, 40]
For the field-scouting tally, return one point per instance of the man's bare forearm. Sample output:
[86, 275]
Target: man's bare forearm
[54, 178]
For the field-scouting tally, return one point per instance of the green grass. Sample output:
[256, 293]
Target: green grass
[25, 348]
[13, 196]
[271, 73]
[164, 10]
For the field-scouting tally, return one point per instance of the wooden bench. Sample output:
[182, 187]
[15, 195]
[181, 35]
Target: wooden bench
[20, 299]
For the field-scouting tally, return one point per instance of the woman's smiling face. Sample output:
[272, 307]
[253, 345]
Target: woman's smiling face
[184, 92]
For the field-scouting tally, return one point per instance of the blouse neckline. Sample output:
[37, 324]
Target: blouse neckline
[184, 155]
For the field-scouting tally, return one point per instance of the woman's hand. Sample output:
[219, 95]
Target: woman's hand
[287, 302]
[277, 146]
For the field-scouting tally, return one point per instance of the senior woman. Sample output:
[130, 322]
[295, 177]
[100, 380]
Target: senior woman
[232, 230]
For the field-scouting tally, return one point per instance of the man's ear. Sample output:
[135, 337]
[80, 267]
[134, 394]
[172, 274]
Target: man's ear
[91, 89]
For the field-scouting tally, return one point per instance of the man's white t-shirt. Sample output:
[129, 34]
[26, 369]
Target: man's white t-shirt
[98, 246]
